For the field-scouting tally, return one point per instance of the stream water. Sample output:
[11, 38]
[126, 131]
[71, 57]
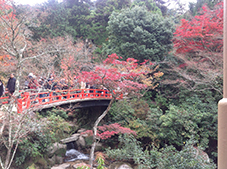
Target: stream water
[72, 154]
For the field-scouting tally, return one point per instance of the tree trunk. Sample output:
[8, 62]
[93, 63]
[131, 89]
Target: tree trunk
[95, 132]
[7, 157]
[18, 74]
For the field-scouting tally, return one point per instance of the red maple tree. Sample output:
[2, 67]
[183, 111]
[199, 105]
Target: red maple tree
[119, 78]
[5, 9]
[202, 33]
[122, 77]
[198, 45]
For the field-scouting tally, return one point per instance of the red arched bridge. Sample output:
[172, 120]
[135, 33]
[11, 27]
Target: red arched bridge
[43, 100]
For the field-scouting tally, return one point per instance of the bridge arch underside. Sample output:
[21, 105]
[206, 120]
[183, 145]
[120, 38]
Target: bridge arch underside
[76, 104]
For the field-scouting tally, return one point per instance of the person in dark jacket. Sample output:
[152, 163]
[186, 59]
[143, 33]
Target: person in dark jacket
[11, 84]
[2, 88]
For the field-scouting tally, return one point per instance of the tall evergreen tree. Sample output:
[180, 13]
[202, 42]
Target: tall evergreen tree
[140, 34]
[60, 19]
[157, 6]
[149, 4]
[100, 17]
[78, 13]
[53, 20]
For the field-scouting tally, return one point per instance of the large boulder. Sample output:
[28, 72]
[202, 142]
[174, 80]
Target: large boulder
[55, 160]
[42, 163]
[56, 149]
[62, 166]
[76, 138]
[81, 142]
[72, 138]
[120, 165]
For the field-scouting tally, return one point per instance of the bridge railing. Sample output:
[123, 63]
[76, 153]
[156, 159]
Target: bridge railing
[34, 98]
[4, 98]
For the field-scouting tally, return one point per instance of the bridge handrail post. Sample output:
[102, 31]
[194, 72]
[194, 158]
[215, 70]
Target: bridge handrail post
[51, 97]
[68, 94]
[39, 98]
[96, 91]
[59, 93]
[27, 99]
[82, 94]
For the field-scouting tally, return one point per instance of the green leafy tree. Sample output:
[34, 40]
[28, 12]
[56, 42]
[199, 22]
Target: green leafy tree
[139, 34]
[134, 114]
[191, 117]
[180, 123]
[166, 158]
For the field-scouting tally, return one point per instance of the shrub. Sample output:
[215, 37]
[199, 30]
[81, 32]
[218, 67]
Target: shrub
[106, 131]
[165, 158]
[47, 131]
[186, 158]
[56, 112]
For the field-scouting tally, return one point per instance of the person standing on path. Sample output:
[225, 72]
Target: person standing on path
[11, 85]
[2, 88]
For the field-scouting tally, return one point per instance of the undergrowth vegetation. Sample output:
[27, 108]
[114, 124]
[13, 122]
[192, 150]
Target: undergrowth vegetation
[50, 129]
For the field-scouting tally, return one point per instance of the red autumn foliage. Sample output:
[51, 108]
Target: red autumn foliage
[121, 76]
[203, 32]
[6, 13]
[6, 9]
[107, 131]
[198, 45]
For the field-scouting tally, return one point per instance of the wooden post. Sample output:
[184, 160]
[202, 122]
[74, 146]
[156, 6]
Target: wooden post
[222, 104]
[51, 97]
[68, 94]
[82, 94]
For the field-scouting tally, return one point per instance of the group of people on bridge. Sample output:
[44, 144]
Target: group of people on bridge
[48, 91]
[50, 83]
[40, 84]
[32, 82]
